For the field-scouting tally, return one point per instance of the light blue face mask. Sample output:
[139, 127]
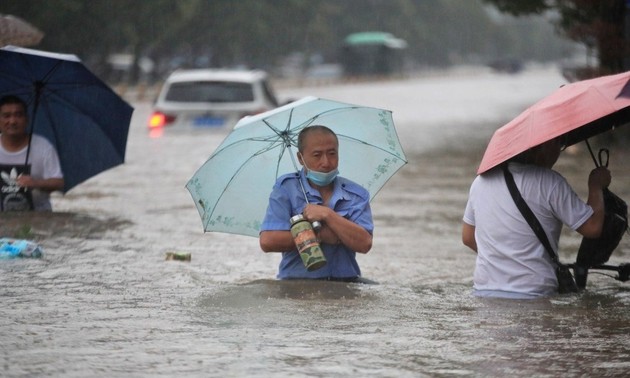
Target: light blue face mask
[321, 178]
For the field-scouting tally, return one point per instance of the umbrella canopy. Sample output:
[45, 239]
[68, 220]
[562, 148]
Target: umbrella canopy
[231, 189]
[578, 110]
[17, 32]
[81, 116]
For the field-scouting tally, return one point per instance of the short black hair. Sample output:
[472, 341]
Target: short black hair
[307, 130]
[12, 99]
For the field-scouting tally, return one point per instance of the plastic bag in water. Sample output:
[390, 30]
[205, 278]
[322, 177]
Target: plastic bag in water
[13, 248]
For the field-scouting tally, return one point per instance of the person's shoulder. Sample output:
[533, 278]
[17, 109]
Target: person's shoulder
[352, 187]
[40, 140]
[487, 178]
[288, 177]
[535, 170]
[547, 173]
[490, 174]
[545, 178]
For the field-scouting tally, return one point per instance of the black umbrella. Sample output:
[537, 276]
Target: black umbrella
[80, 115]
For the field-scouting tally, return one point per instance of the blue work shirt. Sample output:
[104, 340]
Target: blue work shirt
[349, 200]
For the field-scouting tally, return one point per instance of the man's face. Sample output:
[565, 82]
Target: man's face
[12, 119]
[320, 152]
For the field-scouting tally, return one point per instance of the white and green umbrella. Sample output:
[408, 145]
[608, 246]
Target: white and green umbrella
[231, 189]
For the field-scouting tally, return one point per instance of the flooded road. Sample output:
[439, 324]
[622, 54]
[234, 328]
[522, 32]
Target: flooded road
[104, 302]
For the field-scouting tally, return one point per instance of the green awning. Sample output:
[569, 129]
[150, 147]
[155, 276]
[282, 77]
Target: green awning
[375, 38]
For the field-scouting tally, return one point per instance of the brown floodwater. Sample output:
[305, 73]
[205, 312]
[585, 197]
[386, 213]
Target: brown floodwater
[104, 301]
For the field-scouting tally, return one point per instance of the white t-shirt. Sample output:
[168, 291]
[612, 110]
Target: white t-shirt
[510, 258]
[44, 163]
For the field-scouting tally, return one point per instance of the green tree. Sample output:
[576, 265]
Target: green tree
[598, 24]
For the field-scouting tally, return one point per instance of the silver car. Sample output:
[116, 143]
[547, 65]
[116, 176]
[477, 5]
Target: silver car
[211, 98]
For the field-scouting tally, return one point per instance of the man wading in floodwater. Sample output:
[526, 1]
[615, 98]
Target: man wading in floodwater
[340, 205]
[511, 261]
[26, 183]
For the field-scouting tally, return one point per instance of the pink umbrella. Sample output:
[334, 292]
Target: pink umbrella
[579, 110]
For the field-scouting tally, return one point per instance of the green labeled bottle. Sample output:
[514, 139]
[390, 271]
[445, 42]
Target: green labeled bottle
[307, 243]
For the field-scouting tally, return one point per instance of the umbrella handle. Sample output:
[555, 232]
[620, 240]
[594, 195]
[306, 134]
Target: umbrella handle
[602, 152]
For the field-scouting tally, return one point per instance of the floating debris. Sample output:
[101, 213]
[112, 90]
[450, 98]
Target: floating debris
[12, 248]
[180, 256]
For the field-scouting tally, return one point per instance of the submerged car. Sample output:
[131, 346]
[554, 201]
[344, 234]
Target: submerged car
[211, 98]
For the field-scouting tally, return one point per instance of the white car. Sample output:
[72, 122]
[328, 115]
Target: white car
[211, 98]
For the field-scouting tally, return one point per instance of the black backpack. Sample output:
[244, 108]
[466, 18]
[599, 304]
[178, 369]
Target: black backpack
[595, 252]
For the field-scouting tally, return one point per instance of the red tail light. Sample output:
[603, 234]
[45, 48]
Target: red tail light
[159, 119]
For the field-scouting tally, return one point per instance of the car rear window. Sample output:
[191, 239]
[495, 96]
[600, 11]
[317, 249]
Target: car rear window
[210, 91]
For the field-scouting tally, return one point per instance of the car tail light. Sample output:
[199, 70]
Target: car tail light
[159, 119]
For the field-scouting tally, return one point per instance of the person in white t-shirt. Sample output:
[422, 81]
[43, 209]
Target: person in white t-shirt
[511, 261]
[25, 184]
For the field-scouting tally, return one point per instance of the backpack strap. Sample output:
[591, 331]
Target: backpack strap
[529, 216]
